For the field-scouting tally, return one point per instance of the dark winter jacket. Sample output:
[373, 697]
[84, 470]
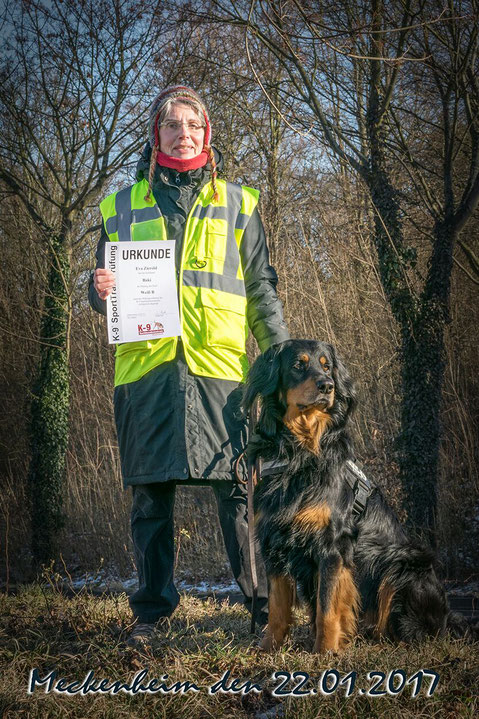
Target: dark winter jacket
[170, 423]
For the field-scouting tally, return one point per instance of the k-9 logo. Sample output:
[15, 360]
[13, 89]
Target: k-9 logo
[151, 328]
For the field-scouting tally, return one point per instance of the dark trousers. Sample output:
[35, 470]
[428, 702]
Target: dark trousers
[152, 530]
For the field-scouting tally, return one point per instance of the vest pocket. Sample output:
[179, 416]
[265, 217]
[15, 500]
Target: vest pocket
[146, 231]
[215, 245]
[215, 238]
[225, 321]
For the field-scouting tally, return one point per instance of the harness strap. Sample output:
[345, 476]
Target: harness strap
[273, 466]
[362, 487]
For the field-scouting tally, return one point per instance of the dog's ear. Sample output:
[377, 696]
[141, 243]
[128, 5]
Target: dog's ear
[263, 376]
[263, 381]
[344, 387]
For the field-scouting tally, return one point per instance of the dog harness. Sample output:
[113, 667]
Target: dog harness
[362, 487]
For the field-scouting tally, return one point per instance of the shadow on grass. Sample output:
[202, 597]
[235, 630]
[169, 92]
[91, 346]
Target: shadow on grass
[204, 640]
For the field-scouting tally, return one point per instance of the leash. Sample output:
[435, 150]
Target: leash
[251, 482]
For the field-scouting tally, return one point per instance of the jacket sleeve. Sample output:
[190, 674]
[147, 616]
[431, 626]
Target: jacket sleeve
[95, 301]
[264, 310]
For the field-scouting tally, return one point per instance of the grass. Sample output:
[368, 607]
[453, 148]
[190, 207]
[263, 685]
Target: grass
[41, 628]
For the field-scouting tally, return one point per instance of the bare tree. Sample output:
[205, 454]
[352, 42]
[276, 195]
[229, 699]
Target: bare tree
[74, 77]
[346, 65]
[436, 141]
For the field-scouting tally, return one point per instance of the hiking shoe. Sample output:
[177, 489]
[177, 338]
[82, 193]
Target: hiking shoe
[142, 635]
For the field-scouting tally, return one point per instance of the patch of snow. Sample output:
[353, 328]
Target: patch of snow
[103, 581]
[207, 588]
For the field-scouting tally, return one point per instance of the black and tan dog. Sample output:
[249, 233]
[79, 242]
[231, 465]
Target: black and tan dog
[351, 561]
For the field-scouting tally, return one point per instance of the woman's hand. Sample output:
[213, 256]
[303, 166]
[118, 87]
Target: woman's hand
[103, 282]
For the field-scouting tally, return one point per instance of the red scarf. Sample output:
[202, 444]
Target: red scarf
[182, 165]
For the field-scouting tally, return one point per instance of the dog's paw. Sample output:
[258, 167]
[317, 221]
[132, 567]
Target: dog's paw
[268, 644]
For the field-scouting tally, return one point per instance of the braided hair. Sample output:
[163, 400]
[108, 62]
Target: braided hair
[151, 174]
[214, 172]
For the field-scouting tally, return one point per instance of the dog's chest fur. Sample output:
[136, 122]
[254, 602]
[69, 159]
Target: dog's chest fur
[303, 514]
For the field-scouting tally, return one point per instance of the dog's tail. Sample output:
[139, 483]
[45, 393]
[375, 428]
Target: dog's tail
[458, 627]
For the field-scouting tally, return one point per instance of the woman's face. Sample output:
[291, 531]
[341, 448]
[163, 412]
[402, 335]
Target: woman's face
[181, 132]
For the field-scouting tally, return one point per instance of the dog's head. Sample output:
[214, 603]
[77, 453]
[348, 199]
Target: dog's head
[299, 381]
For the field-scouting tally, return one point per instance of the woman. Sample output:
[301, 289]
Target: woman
[177, 400]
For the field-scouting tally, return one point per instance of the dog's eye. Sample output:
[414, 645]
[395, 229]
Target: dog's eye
[325, 366]
[299, 364]
[324, 362]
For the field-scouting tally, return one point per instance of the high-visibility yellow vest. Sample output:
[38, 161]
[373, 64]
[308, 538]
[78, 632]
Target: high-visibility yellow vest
[212, 297]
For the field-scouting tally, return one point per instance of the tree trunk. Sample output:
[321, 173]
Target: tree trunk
[423, 376]
[419, 439]
[50, 409]
[421, 324]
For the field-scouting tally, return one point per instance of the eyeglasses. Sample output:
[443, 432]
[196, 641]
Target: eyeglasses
[174, 126]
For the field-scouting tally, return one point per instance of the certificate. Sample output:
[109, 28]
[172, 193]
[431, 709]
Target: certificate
[144, 302]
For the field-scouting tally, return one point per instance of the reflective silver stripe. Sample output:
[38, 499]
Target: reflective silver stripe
[234, 196]
[212, 281]
[241, 221]
[146, 213]
[142, 215]
[123, 213]
[210, 211]
[111, 225]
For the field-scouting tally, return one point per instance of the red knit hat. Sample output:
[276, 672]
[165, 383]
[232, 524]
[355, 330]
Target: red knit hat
[175, 92]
